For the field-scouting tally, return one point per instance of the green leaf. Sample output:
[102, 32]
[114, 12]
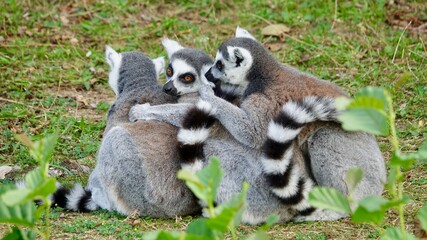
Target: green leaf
[341, 103]
[329, 198]
[199, 227]
[367, 102]
[18, 234]
[162, 235]
[365, 119]
[393, 233]
[271, 220]
[205, 182]
[377, 93]
[236, 204]
[194, 183]
[22, 214]
[353, 177]
[18, 196]
[371, 209]
[259, 235]
[401, 160]
[211, 175]
[42, 150]
[422, 216]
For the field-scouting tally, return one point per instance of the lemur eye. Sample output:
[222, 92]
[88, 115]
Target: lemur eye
[169, 71]
[219, 65]
[188, 78]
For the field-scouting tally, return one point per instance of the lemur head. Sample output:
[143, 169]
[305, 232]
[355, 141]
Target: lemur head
[131, 69]
[240, 60]
[186, 70]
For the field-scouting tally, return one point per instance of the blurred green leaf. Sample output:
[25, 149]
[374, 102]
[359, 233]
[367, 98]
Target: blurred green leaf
[22, 214]
[329, 198]
[394, 233]
[162, 235]
[365, 119]
[259, 235]
[377, 93]
[401, 160]
[353, 177]
[18, 234]
[19, 196]
[199, 227]
[194, 183]
[371, 209]
[422, 216]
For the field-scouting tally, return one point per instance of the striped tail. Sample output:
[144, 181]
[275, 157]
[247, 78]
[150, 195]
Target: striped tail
[193, 134]
[284, 175]
[74, 199]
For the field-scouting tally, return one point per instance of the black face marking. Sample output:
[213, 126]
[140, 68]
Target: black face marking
[219, 65]
[239, 57]
[169, 71]
[187, 78]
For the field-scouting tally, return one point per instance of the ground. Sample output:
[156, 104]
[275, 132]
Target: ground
[54, 78]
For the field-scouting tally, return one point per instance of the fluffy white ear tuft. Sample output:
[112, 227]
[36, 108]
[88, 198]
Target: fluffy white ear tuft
[111, 56]
[114, 59]
[243, 33]
[171, 46]
[159, 64]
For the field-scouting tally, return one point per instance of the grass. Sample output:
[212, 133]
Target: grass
[54, 78]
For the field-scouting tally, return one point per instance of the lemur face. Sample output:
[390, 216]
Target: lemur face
[232, 62]
[182, 78]
[186, 69]
[231, 66]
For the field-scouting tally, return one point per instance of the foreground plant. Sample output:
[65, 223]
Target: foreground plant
[221, 219]
[371, 110]
[17, 205]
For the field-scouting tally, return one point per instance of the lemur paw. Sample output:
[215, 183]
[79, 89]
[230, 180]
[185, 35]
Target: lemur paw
[206, 92]
[137, 112]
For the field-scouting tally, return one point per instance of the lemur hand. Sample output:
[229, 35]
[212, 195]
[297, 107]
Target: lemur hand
[139, 112]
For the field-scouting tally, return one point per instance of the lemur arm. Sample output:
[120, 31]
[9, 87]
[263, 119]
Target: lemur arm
[247, 123]
[168, 113]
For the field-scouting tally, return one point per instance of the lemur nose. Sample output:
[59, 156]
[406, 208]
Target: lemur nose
[167, 89]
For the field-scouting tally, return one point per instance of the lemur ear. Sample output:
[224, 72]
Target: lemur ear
[113, 58]
[243, 33]
[159, 64]
[171, 46]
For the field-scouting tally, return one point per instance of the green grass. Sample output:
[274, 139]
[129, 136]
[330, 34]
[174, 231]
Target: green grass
[50, 83]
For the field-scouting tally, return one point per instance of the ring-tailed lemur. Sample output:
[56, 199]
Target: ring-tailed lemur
[137, 162]
[201, 137]
[268, 85]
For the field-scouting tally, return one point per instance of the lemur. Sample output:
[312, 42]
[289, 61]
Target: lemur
[201, 136]
[268, 85]
[137, 162]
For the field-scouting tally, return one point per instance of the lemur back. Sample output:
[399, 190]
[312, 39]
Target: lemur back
[137, 164]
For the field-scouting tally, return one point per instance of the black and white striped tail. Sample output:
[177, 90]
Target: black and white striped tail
[284, 175]
[193, 134]
[74, 199]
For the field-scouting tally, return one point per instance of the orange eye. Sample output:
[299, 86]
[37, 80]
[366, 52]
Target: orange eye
[188, 78]
[169, 72]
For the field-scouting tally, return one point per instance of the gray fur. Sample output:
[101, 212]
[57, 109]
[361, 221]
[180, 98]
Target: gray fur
[239, 162]
[193, 57]
[137, 163]
[269, 84]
